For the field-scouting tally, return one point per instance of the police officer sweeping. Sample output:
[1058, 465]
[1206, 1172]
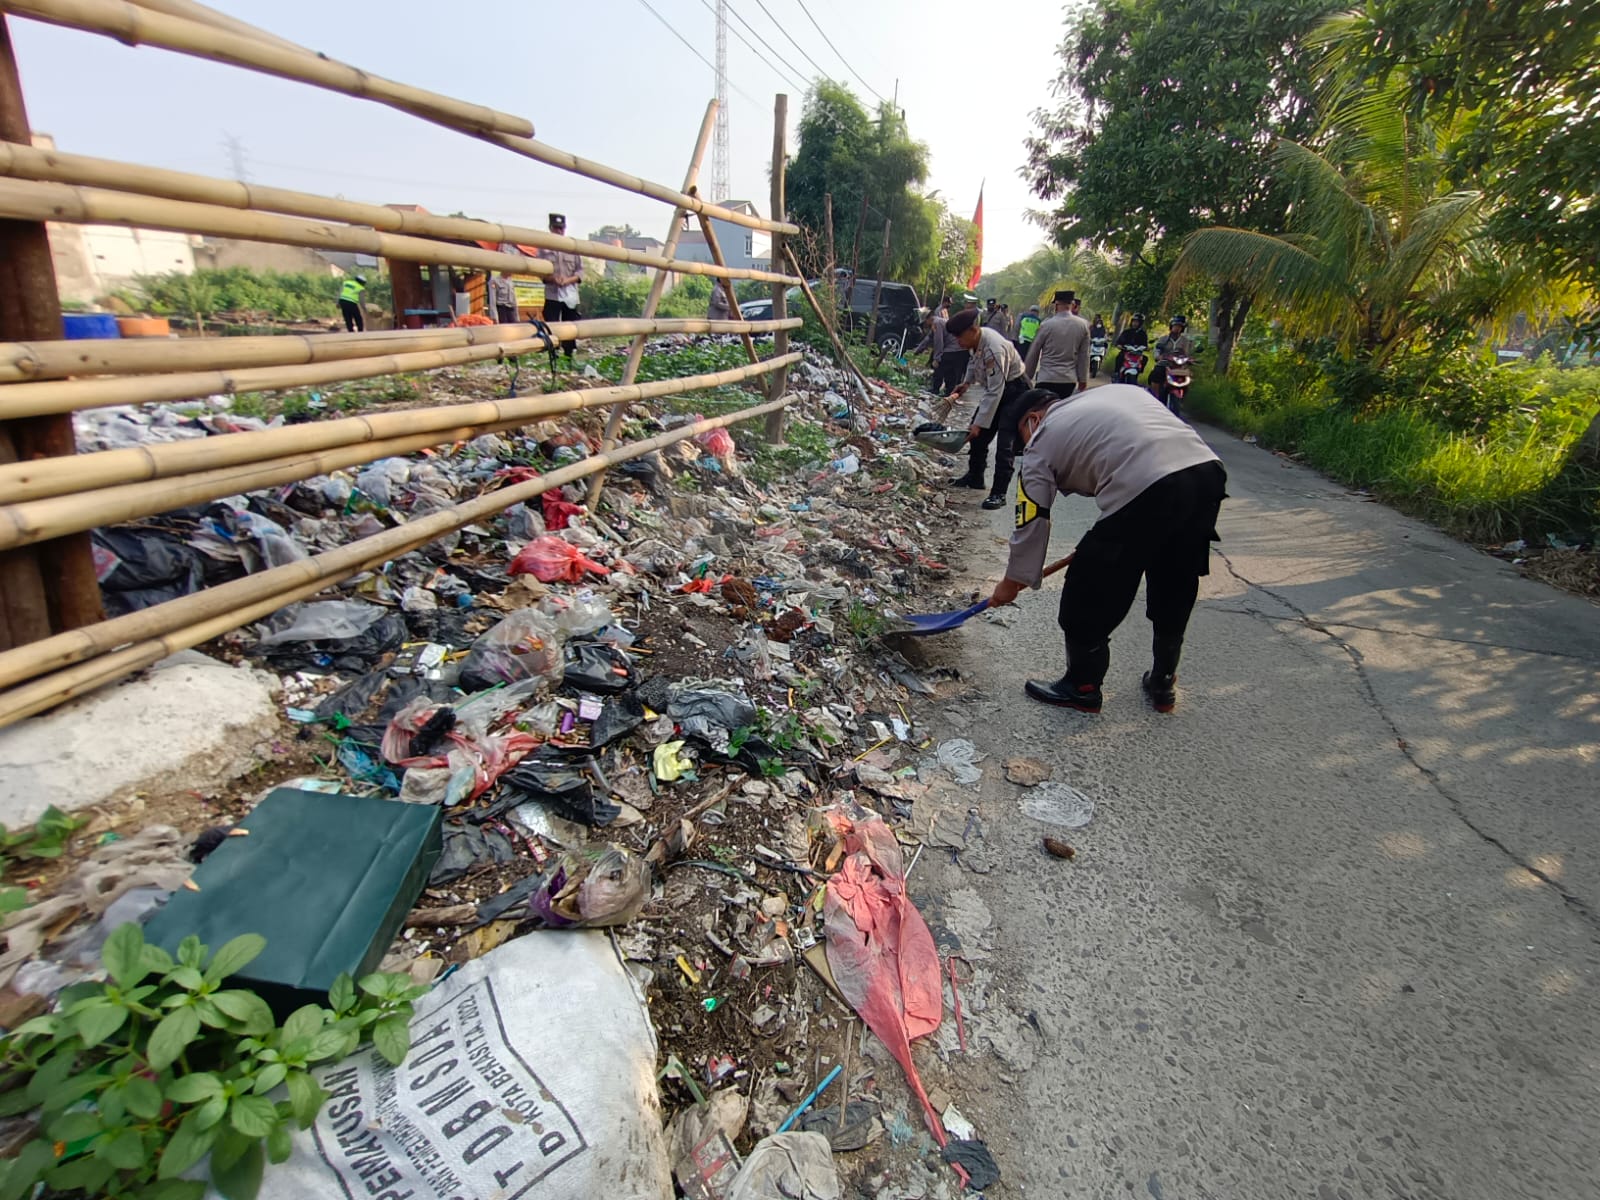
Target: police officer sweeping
[1159, 488]
[350, 303]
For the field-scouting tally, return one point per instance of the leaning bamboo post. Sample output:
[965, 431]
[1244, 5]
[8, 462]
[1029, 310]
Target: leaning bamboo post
[48, 588]
[54, 360]
[658, 288]
[192, 620]
[52, 166]
[32, 201]
[38, 520]
[132, 25]
[76, 395]
[780, 295]
[827, 234]
[733, 300]
[838, 347]
[877, 289]
[84, 473]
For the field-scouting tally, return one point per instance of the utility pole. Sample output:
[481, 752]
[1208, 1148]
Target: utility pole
[720, 185]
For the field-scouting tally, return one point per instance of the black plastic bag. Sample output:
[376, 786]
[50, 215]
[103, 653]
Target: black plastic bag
[566, 792]
[141, 567]
[468, 846]
[593, 667]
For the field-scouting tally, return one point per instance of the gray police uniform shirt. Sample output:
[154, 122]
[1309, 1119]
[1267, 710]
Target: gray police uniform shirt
[1060, 351]
[995, 363]
[1110, 443]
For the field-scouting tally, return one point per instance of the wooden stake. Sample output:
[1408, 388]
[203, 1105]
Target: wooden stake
[658, 287]
[49, 588]
[827, 236]
[133, 25]
[38, 520]
[233, 605]
[96, 206]
[74, 395]
[877, 290]
[780, 295]
[51, 166]
[855, 248]
[733, 300]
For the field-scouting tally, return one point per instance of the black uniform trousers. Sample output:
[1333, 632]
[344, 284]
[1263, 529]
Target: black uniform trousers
[506, 313]
[554, 310]
[353, 320]
[950, 370]
[1163, 536]
[1002, 431]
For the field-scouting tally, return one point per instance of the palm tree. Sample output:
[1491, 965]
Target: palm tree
[1377, 243]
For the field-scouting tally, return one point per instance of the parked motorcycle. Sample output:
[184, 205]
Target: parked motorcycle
[1180, 373]
[1132, 364]
[1097, 351]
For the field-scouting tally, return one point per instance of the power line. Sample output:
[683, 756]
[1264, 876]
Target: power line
[780, 74]
[820, 72]
[688, 45]
[835, 49]
[770, 49]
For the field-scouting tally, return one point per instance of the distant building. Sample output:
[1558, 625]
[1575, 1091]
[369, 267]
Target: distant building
[741, 246]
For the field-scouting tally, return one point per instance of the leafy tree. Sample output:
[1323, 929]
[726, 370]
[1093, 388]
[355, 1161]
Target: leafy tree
[1167, 120]
[607, 232]
[1379, 247]
[846, 152]
[952, 266]
[1518, 77]
[1036, 279]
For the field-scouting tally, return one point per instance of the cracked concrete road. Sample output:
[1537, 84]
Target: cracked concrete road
[1334, 930]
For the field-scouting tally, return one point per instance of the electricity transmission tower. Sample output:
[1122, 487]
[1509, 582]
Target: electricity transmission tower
[236, 157]
[719, 142]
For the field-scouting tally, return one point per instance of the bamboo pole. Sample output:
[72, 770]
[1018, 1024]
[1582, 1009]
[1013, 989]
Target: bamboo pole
[658, 287]
[733, 300]
[52, 166]
[32, 201]
[54, 360]
[134, 26]
[48, 588]
[838, 347]
[191, 620]
[780, 295]
[877, 290]
[84, 473]
[39, 520]
[75, 395]
[827, 234]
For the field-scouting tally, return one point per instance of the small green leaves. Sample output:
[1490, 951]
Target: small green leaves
[342, 995]
[123, 955]
[175, 1031]
[392, 1038]
[305, 1098]
[193, 1088]
[253, 1116]
[234, 955]
[188, 1146]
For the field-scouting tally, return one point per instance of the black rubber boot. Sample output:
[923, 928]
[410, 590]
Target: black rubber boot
[968, 481]
[1160, 682]
[1079, 688]
[992, 501]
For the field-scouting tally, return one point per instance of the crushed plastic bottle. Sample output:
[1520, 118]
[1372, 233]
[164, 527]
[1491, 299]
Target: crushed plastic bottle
[848, 465]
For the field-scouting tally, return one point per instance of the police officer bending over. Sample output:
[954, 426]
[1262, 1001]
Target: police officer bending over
[1159, 488]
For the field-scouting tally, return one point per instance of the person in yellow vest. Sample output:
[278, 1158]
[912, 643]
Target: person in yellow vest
[350, 303]
[1027, 329]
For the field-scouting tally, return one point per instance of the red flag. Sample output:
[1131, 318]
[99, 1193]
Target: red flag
[977, 219]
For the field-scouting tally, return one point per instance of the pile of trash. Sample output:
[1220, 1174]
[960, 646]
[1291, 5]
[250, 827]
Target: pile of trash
[675, 720]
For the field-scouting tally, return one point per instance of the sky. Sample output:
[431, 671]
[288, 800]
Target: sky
[605, 81]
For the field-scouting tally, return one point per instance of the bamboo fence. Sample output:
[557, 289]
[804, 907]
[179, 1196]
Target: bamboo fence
[44, 499]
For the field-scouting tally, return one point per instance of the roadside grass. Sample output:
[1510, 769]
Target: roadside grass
[1513, 478]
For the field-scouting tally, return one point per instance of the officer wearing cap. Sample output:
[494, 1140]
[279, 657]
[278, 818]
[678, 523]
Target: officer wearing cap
[1159, 488]
[996, 370]
[561, 285]
[1059, 358]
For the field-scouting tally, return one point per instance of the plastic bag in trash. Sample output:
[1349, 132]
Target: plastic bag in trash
[582, 893]
[549, 559]
[141, 567]
[788, 1166]
[569, 794]
[597, 667]
[958, 756]
[717, 706]
[378, 481]
[414, 735]
[579, 614]
[719, 442]
[323, 620]
[556, 1100]
[1055, 803]
[524, 645]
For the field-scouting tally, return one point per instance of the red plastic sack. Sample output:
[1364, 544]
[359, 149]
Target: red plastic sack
[550, 559]
[558, 513]
[880, 949]
[719, 442]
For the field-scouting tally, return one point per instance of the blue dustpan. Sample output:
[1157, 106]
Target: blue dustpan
[921, 624]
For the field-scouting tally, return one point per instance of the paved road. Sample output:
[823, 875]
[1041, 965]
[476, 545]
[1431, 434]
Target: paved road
[1334, 931]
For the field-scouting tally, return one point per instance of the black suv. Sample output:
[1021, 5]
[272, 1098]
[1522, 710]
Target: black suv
[899, 314]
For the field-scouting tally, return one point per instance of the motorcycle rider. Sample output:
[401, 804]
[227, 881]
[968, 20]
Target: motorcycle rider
[1098, 340]
[1177, 341]
[1135, 337]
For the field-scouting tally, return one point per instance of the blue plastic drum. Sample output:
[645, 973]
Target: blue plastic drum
[90, 325]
